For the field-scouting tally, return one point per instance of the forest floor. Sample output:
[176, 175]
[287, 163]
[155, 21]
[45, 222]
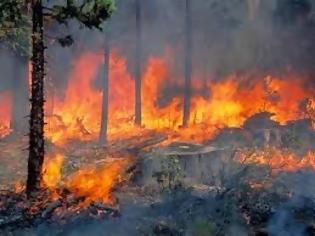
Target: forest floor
[190, 189]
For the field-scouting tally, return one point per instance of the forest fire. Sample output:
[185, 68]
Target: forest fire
[216, 104]
[112, 123]
[227, 102]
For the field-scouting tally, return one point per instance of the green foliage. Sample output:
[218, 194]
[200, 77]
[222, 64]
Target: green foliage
[15, 20]
[11, 12]
[91, 13]
[15, 26]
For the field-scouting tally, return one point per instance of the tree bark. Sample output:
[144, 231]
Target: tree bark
[138, 70]
[104, 119]
[188, 65]
[36, 136]
[20, 108]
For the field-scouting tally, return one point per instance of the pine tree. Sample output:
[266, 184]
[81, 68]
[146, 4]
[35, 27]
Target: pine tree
[104, 118]
[138, 71]
[188, 64]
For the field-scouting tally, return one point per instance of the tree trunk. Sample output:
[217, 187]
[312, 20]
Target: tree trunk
[104, 121]
[138, 57]
[36, 136]
[253, 6]
[188, 65]
[20, 108]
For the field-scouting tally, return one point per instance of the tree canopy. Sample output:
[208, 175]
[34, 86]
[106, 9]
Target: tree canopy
[15, 26]
[15, 22]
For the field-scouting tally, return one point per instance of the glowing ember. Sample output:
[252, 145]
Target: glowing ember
[97, 184]
[5, 113]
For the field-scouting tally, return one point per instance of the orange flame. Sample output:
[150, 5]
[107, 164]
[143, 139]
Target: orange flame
[94, 184]
[279, 160]
[97, 184]
[5, 113]
[78, 115]
[229, 101]
[52, 171]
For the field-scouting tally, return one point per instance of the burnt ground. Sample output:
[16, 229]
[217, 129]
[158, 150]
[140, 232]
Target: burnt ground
[181, 188]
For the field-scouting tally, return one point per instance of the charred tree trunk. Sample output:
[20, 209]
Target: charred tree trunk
[138, 57]
[20, 108]
[104, 121]
[188, 65]
[36, 136]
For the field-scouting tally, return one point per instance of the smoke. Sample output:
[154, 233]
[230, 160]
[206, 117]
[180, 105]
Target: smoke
[227, 36]
[7, 61]
[283, 224]
[286, 219]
